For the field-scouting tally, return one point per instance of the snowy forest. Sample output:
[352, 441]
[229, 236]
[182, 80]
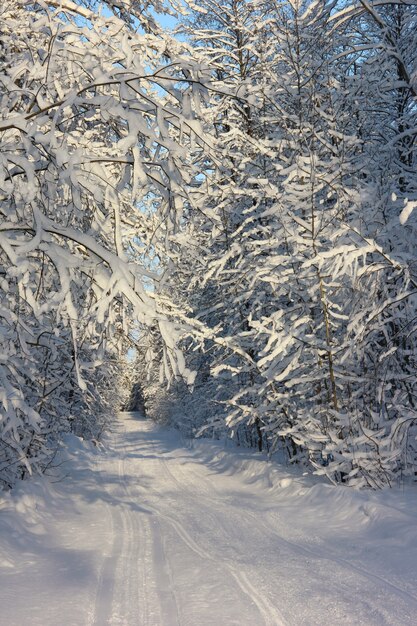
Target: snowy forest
[217, 215]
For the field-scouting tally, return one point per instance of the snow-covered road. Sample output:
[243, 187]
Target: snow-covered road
[150, 532]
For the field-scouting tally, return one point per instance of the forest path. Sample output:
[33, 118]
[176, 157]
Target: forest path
[150, 532]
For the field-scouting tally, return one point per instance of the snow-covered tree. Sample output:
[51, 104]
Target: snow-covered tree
[308, 156]
[99, 144]
[245, 198]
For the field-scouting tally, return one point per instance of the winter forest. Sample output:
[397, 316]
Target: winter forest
[217, 216]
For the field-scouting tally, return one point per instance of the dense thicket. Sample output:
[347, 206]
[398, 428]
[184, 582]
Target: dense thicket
[98, 143]
[237, 202]
[312, 272]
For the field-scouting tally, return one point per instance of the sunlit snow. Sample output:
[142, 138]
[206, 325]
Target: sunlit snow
[148, 530]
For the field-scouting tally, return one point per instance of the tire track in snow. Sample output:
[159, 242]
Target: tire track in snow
[119, 571]
[131, 574]
[103, 602]
[161, 571]
[166, 587]
[270, 614]
[258, 521]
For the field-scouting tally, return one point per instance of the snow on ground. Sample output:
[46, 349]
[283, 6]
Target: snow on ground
[150, 531]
